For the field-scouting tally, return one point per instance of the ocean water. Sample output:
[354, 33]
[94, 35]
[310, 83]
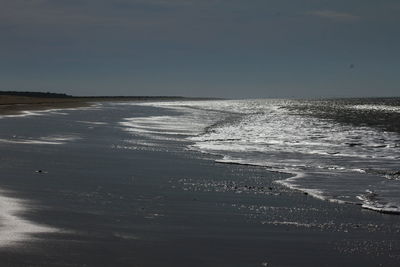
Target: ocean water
[340, 150]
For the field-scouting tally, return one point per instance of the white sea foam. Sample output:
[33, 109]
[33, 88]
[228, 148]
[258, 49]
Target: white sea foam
[189, 122]
[23, 114]
[45, 140]
[51, 111]
[337, 162]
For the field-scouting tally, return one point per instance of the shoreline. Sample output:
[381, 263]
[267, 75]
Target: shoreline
[17, 104]
[134, 204]
[310, 192]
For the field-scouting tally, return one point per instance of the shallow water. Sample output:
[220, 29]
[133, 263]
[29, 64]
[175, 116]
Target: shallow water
[124, 184]
[345, 151]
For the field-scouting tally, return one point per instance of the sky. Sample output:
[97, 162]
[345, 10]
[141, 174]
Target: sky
[215, 48]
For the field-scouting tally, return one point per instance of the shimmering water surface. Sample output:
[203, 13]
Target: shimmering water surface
[346, 150]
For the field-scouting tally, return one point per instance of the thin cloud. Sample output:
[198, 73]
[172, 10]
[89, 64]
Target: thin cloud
[333, 15]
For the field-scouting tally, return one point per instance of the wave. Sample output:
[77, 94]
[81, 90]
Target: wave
[45, 140]
[330, 160]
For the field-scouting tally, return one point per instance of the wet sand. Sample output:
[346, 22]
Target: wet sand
[115, 204]
[10, 105]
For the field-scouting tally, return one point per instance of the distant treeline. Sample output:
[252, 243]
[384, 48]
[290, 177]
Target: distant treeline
[35, 94]
[135, 97]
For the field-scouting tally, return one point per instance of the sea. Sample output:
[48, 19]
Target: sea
[338, 150]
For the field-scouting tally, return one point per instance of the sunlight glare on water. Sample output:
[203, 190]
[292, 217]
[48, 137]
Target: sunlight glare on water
[331, 160]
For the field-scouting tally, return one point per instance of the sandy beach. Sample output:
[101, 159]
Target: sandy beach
[17, 104]
[101, 196]
[11, 105]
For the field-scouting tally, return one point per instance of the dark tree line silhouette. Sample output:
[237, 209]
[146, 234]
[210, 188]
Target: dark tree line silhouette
[35, 94]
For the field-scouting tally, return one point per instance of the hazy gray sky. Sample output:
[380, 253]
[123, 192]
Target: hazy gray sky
[225, 48]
